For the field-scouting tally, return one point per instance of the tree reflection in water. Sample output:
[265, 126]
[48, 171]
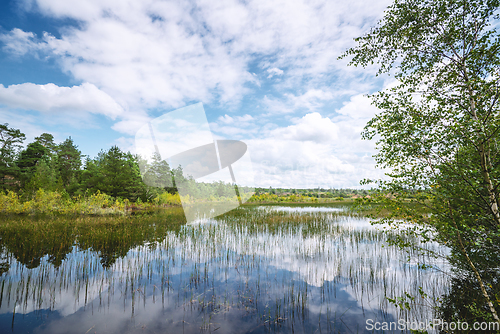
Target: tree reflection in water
[253, 270]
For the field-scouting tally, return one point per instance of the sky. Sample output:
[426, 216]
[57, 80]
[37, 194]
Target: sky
[266, 73]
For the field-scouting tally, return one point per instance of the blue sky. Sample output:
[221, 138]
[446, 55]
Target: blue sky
[266, 72]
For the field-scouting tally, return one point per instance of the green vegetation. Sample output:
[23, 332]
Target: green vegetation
[54, 174]
[252, 268]
[49, 178]
[45, 177]
[310, 196]
[318, 195]
[438, 132]
[29, 239]
[52, 202]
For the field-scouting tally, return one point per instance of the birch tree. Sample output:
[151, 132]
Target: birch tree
[438, 129]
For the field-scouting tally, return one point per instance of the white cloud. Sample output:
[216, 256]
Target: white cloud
[24, 123]
[154, 52]
[313, 151]
[226, 119]
[133, 122]
[140, 55]
[232, 131]
[274, 71]
[311, 100]
[359, 106]
[18, 42]
[312, 127]
[52, 98]
[276, 106]
[234, 127]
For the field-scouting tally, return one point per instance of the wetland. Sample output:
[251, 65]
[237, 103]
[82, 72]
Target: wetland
[255, 269]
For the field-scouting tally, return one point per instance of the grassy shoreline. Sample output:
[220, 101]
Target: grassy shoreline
[100, 204]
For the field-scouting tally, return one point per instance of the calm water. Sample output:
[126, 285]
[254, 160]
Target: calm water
[253, 270]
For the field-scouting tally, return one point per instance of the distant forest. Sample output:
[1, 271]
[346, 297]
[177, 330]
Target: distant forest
[316, 192]
[60, 167]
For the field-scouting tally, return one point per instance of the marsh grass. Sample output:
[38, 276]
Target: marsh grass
[254, 269]
[96, 204]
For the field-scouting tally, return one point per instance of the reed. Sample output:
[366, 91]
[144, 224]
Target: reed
[257, 268]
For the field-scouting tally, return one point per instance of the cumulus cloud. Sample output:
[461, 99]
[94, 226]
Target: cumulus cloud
[155, 52]
[311, 99]
[313, 151]
[234, 127]
[359, 106]
[24, 122]
[312, 127]
[137, 56]
[133, 122]
[52, 98]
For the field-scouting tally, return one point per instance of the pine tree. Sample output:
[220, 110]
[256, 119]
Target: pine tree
[10, 141]
[68, 164]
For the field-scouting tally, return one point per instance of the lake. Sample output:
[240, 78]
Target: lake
[256, 269]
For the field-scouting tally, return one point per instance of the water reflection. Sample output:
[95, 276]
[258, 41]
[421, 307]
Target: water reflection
[253, 270]
[303, 208]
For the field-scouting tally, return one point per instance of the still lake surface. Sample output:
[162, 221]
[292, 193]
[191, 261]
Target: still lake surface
[260, 269]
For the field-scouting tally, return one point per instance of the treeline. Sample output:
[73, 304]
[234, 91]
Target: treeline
[60, 168]
[43, 164]
[316, 192]
[45, 176]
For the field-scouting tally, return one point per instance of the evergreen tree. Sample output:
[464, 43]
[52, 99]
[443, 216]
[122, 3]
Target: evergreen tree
[118, 174]
[69, 163]
[133, 180]
[91, 177]
[10, 141]
[28, 160]
[44, 177]
[47, 141]
[158, 173]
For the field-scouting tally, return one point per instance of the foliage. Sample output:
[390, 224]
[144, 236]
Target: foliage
[168, 199]
[29, 239]
[273, 198]
[68, 163]
[157, 173]
[465, 301]
[45, 177]
[30, 156]
[115, 173]
[10, 141]
[99, 204]
[47, 141]
[292, 198]
[118, 183]
[9, 202]
[438, 129]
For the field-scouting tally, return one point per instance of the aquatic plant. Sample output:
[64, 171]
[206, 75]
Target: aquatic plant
[256, 268]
